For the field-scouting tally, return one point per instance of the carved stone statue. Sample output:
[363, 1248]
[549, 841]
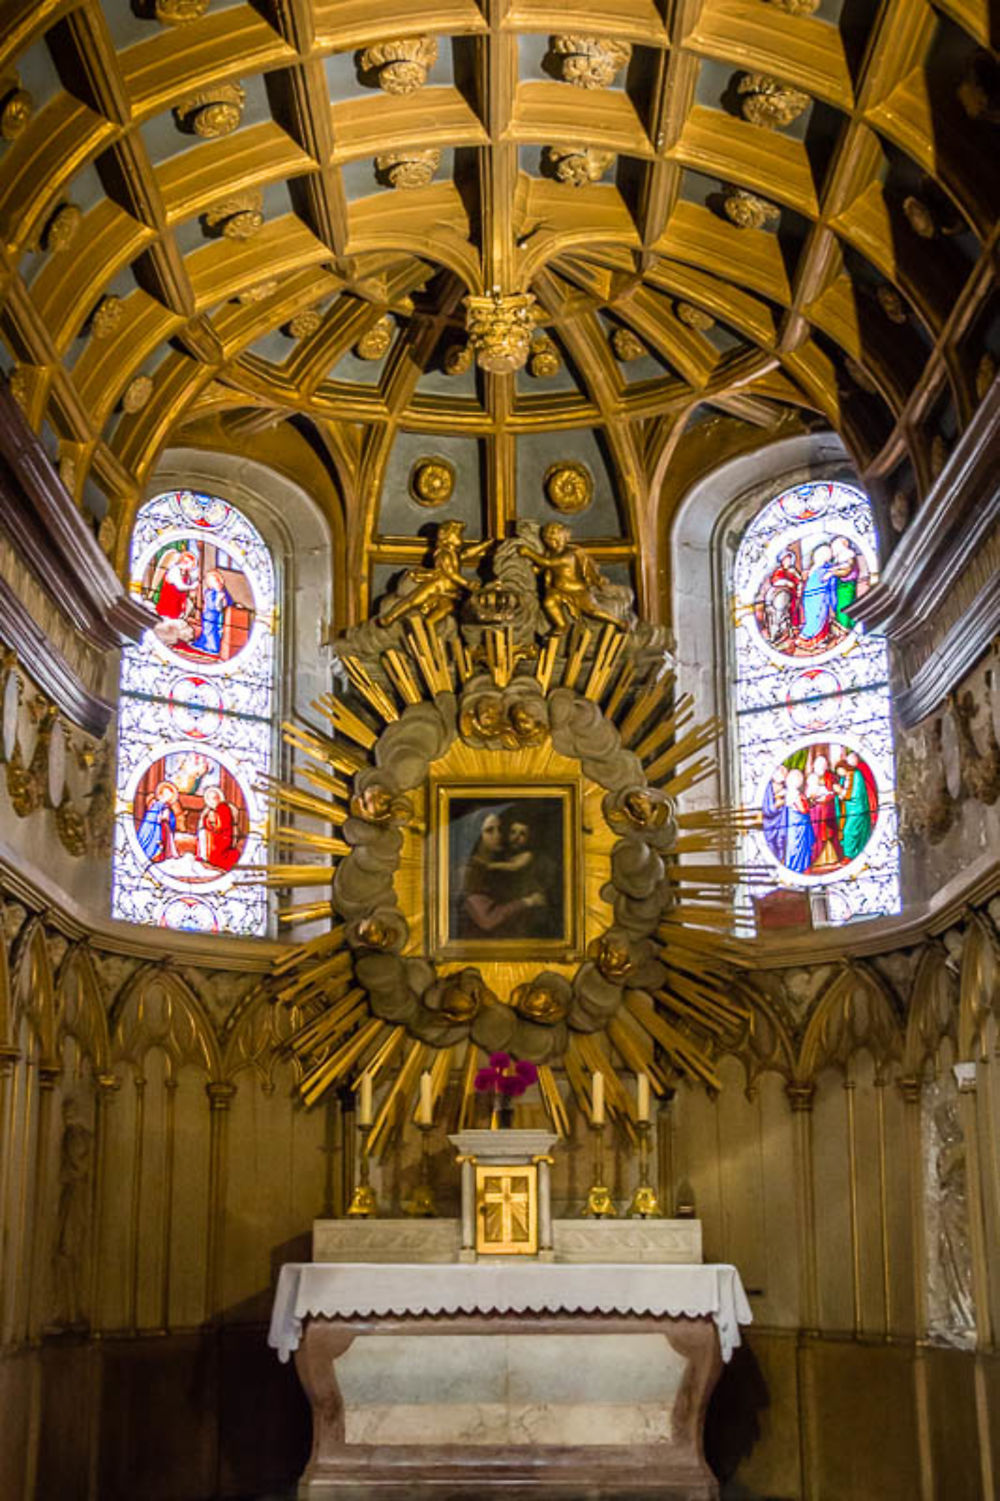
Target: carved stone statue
[571, 580]
[73, 1219]
[435, 591]
[951, 1307]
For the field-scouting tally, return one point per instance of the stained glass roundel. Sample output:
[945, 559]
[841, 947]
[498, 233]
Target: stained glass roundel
[195, 719]
[812, 701]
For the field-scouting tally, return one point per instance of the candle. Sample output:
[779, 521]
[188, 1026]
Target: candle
[597, 1099]
[365, 1101]
[642, 1097]
[425, 1115]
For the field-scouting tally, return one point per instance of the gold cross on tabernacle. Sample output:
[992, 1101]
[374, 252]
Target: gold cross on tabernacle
[505, 1208]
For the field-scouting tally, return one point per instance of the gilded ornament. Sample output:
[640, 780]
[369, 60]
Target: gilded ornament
[747, 211]
[435, 591]
[919, 217]
[900, 510]
[545, 1000]
[375, 341]
[590, 62]
[611, 955]
[524, 727]
[627, 346]
[107, 534]
[257, 292]
[401, 66]
[377, 805]
[409, 168]
[458, 359]
[18, 385]
[239, 217]
[939, 454]
[500, 329]
[373, 933]
[15, 113]
[180, 12]
[891, 303]
[543, 361]
[71, 826]
[768, 101]
[137, 393]
[212, 112]
[979, 91]
[985, 374]
[694, 317]
[640, 810]
[569, 486]
[67, 471]
[796, 7]
[579, 165]
[483, 718]
[107, 316]
[432, 482]
[571, 580]
[459, 997]
[63, 228]
[305, 323]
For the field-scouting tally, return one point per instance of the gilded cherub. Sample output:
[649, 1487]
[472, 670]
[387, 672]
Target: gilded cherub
[483, 718]
[377, 805]
[569, 578]
[524, 729]
[439, 587]
[542, 1000]
[612, 957]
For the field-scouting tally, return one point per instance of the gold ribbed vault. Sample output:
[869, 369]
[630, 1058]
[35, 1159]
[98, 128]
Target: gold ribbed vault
[197, 239]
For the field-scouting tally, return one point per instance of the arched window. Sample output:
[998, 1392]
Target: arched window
[812, 703]
[195, 726]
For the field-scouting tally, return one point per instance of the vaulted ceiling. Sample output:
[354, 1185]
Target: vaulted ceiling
[217, 218]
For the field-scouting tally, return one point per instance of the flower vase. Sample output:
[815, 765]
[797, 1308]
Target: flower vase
[502, 1114]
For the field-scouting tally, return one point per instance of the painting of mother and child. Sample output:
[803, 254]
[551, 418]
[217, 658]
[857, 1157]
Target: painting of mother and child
[820, 809]
[203, 599]
[803, 606]
[190, 817]
[505, 869]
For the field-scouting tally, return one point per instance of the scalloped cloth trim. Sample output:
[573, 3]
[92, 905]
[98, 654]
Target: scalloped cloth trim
[372, 1289]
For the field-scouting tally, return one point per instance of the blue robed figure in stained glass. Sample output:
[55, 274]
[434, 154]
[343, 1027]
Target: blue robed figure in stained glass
[213, 614]
[158, 824]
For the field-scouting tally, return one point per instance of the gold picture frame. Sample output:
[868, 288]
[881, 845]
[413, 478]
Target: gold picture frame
[519, 898]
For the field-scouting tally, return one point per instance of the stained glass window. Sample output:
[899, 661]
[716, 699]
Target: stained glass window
[195, 719]
[812, 703]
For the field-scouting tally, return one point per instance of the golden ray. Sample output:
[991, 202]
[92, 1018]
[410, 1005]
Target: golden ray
[646, 700]
[552, 1100]
[546, 663]
[467, 1087]
[293, 837]
[625, 680]
[319, 1079]
[304, 912]
[688, 745]
[402, 676]
[399, 1090]
[345, 721]
[366, 685]
[579, 639]
[303, 951]
[654, 738]
[609, 649]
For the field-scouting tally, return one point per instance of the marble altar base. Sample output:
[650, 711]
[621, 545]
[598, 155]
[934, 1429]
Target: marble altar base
[508, 1405]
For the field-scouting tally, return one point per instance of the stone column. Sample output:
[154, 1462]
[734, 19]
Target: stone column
[220, 1097]
[544, 1165]
[468, 1165]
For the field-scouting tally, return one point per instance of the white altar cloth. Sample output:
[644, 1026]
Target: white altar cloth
[366, 1289]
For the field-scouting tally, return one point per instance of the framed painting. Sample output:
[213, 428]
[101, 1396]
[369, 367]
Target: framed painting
[504, 879]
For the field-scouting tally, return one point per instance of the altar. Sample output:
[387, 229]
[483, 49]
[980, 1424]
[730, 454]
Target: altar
[508, 1377]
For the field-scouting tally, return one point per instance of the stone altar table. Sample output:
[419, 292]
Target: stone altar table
[495, 1378]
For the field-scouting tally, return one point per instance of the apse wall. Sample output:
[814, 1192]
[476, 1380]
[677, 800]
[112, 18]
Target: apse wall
[158, 1169]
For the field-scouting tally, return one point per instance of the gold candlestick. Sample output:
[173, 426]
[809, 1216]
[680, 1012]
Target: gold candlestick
[363, 1205]
[422, 1205]
[599, 1205]
[645, 1205]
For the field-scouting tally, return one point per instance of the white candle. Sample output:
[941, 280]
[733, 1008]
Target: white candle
[365, 1101]
[425, 1116]
[597, 1099]
[642, 1097]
